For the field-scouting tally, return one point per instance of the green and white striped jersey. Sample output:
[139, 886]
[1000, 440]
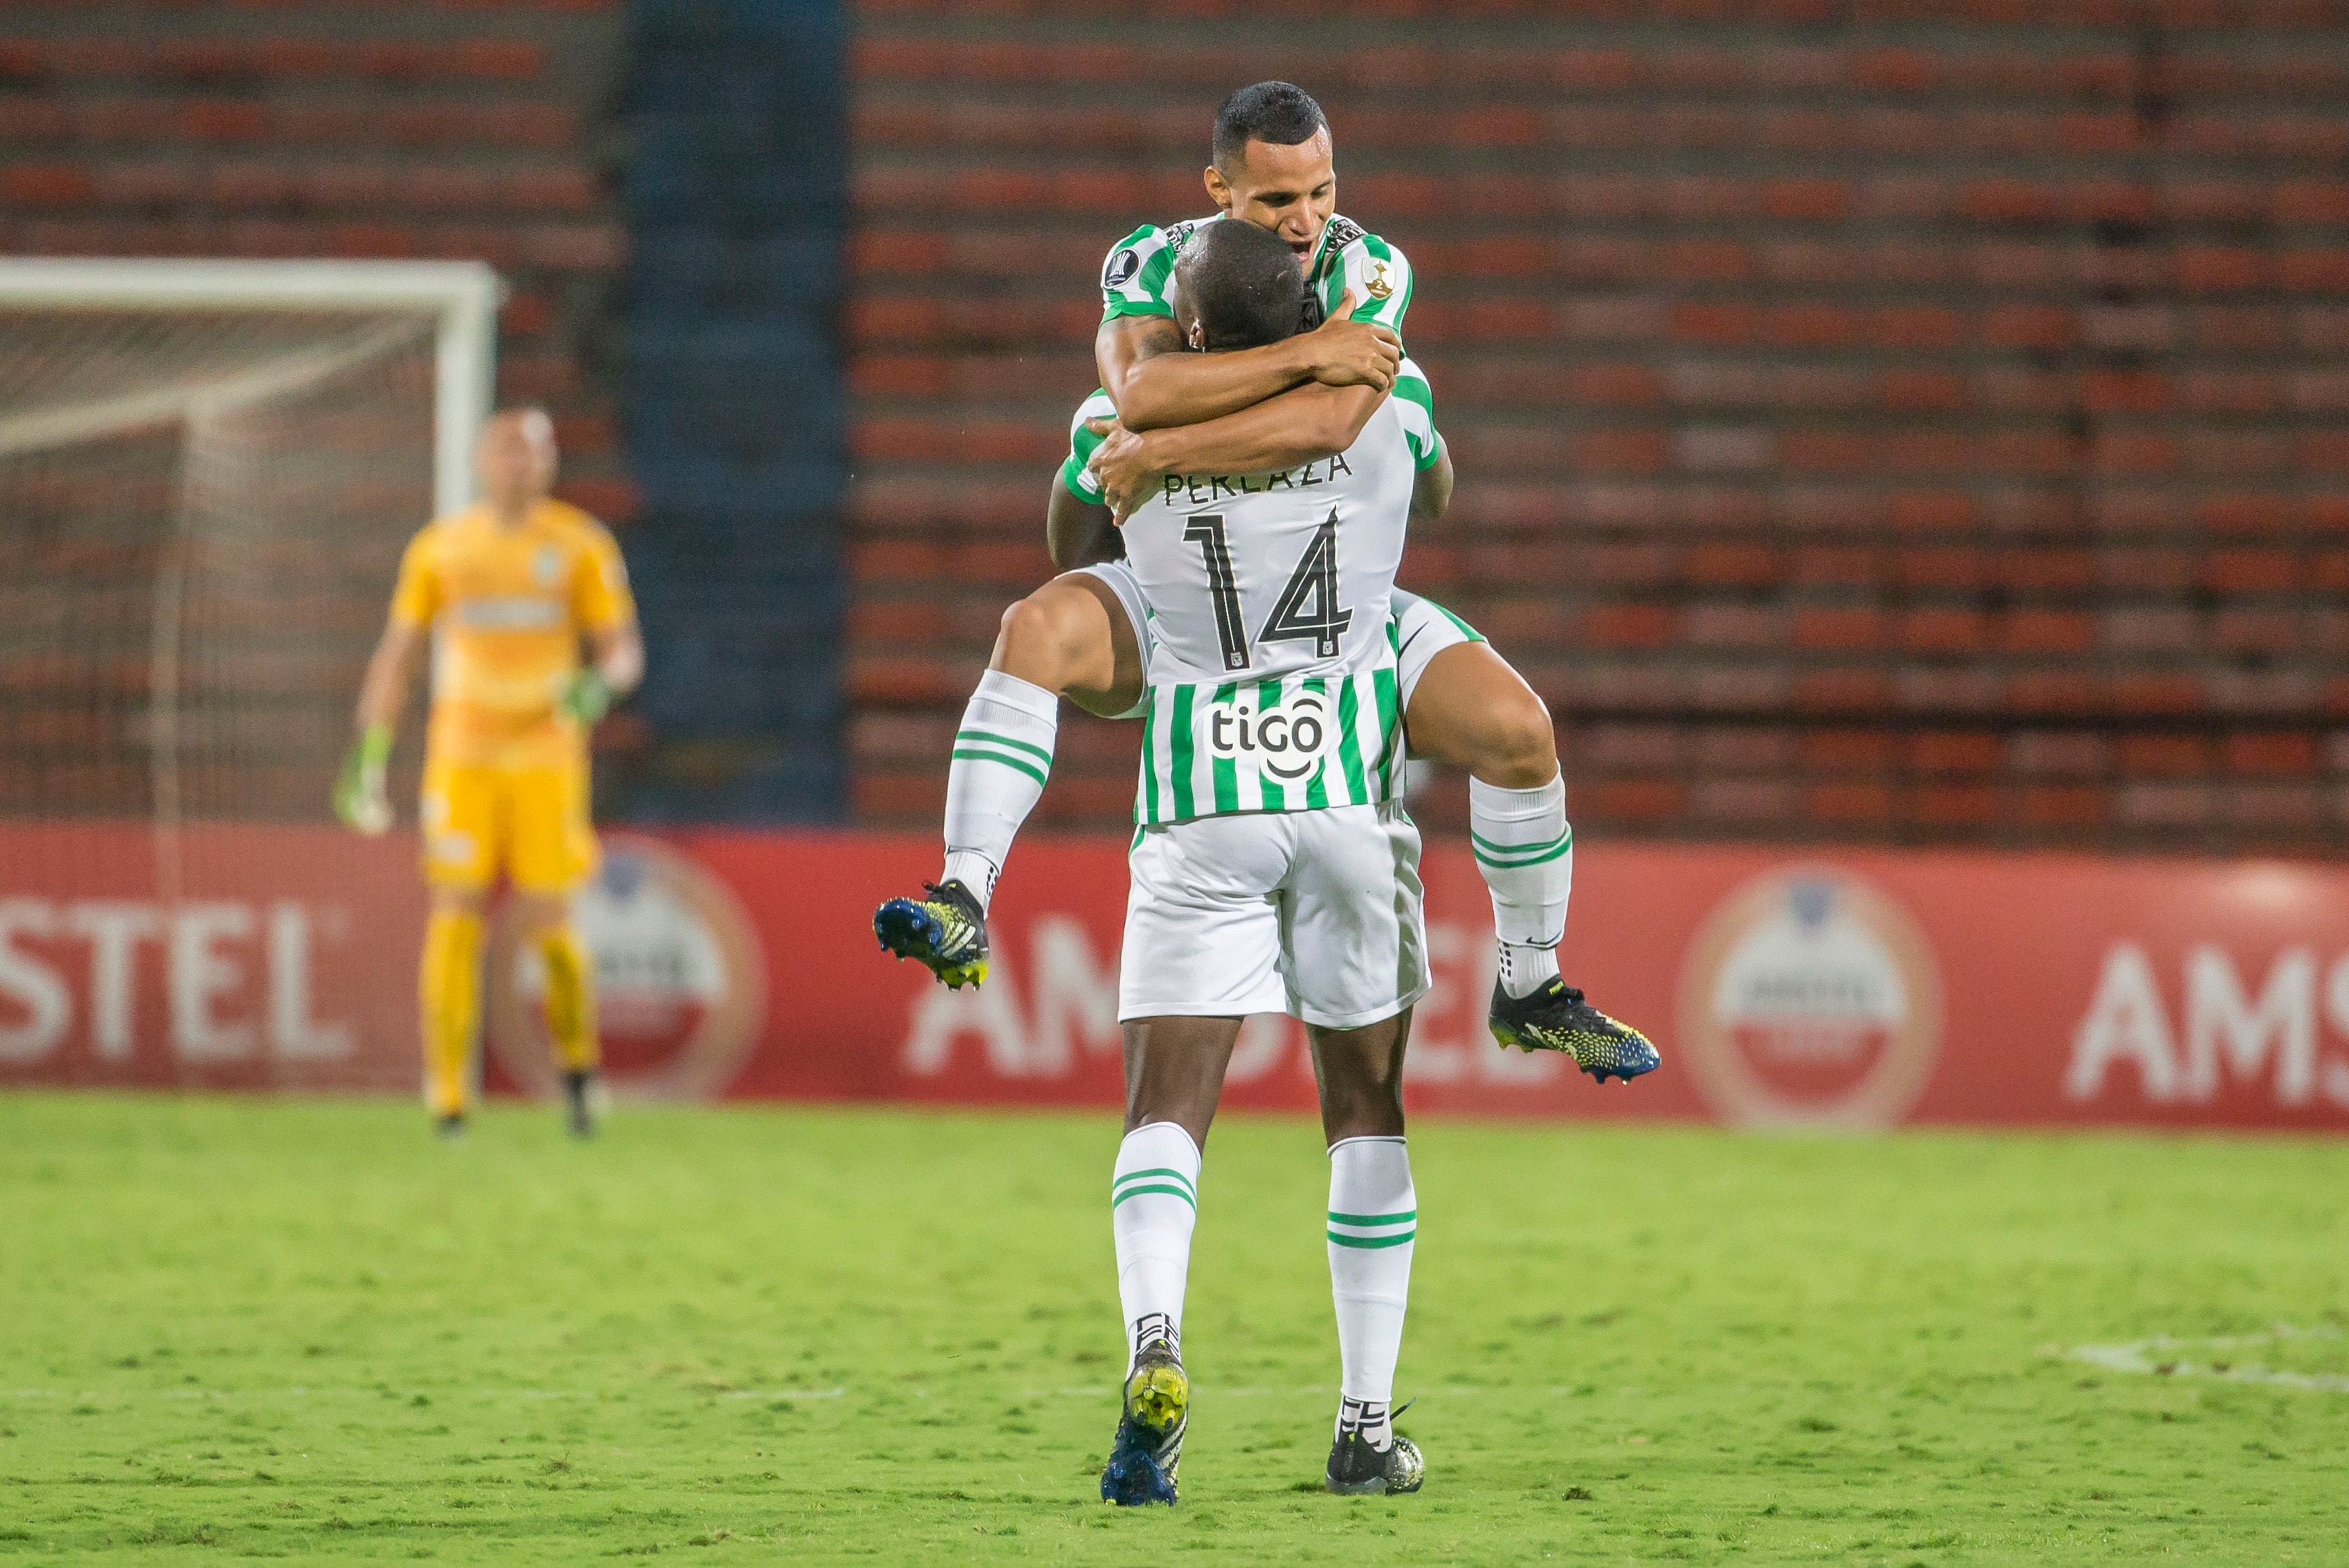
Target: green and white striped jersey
[1411, 389]
[1336, 739]
[1272, 650]
[1138, 277]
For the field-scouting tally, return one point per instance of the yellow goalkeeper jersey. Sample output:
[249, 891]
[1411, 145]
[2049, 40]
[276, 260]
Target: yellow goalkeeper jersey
[507, 608]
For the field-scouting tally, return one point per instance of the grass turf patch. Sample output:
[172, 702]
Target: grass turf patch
[305, 1329]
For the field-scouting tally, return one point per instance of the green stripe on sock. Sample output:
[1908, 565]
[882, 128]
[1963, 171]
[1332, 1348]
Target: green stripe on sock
[1509, 858]
[1483, 843]
[965, 754]
[1405, 1218]
[1346, 1241]
[1171, 1191]
[1154, 1171]
[991, 738]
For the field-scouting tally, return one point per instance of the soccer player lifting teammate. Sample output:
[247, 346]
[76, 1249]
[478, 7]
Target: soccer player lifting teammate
[1274, 869]
[508, 588]
[1275, 406]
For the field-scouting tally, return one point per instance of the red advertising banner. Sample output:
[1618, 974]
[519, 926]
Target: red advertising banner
[1853, 988]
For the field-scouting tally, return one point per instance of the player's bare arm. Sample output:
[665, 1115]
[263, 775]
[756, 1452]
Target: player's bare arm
[1156, 385]
[619, 655]
[1078, 532]
[359, 792]
[1304, 426]
[390, 671]
[1431, 494]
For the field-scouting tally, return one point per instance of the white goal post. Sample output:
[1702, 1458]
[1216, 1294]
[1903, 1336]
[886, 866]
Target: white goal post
[208, 468]
[463, 295]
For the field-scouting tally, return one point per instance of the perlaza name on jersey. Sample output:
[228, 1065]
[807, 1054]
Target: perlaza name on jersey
[1202, 490]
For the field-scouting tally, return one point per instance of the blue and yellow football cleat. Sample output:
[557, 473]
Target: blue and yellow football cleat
[1557, 1019]
[946, 930]
[1148, 1448]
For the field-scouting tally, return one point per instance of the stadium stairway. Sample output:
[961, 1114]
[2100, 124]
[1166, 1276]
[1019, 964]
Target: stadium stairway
[1915, 422]
[736, 198]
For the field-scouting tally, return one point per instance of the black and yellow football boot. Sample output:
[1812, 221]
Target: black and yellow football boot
[947, 931]
[1557, 1019]
[1148, 1446]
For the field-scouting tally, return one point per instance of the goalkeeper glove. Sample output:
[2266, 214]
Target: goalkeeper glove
[358, 791]
[587, 696]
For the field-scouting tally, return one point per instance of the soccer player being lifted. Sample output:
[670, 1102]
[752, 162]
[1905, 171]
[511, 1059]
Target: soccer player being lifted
[1085, 635]
[507, 589]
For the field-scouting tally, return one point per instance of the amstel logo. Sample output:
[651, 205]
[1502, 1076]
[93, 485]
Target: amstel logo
[1809, 998]
[680, 986]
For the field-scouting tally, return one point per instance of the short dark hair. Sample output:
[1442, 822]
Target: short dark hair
[1243, 283]
[1280, 113]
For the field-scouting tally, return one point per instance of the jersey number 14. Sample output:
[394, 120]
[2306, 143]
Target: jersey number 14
[1308, 609]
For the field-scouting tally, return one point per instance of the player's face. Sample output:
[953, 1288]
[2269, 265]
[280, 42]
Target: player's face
[516, 456]
[1290, 190]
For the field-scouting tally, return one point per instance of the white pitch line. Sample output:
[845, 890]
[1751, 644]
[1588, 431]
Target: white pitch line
[2139, 1356]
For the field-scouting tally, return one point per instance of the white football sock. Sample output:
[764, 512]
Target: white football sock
[1526, 851]
[1002, 755]
[1373, 1221]
[1153, 1201]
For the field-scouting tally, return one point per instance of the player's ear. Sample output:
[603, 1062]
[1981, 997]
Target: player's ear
[1197, 337]
[1218, 191]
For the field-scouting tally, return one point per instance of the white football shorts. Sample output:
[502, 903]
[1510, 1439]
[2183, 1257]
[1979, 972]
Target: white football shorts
[1424, 629]
[1317, 914]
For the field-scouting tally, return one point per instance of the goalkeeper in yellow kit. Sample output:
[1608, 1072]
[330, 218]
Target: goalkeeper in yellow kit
[508, 589]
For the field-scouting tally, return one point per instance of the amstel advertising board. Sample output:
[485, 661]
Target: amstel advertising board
[1825, 988]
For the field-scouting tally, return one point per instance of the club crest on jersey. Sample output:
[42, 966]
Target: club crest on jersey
[1376, 286]
[1286, 741]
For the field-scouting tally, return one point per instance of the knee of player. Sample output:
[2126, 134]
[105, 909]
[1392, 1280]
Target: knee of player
[1037, 636]
[1368, 1107]
[539, 916]
[1521, 744]
[460, 899]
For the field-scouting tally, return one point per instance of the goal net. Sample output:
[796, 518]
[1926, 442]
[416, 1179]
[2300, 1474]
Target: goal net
[207, 473]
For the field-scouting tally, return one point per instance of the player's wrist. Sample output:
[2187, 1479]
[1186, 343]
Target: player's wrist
[1304, 359]
[1158, 452]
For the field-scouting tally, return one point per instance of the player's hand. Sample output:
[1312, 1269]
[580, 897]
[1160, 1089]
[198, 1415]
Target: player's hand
[1123, 466]
[1347, 353]
[587, 696]
[359, 797]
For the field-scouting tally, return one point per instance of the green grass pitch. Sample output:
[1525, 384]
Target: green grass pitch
[236, 1328]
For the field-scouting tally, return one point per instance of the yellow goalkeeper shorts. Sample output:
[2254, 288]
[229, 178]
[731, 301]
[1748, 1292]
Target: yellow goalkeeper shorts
[528, 821]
